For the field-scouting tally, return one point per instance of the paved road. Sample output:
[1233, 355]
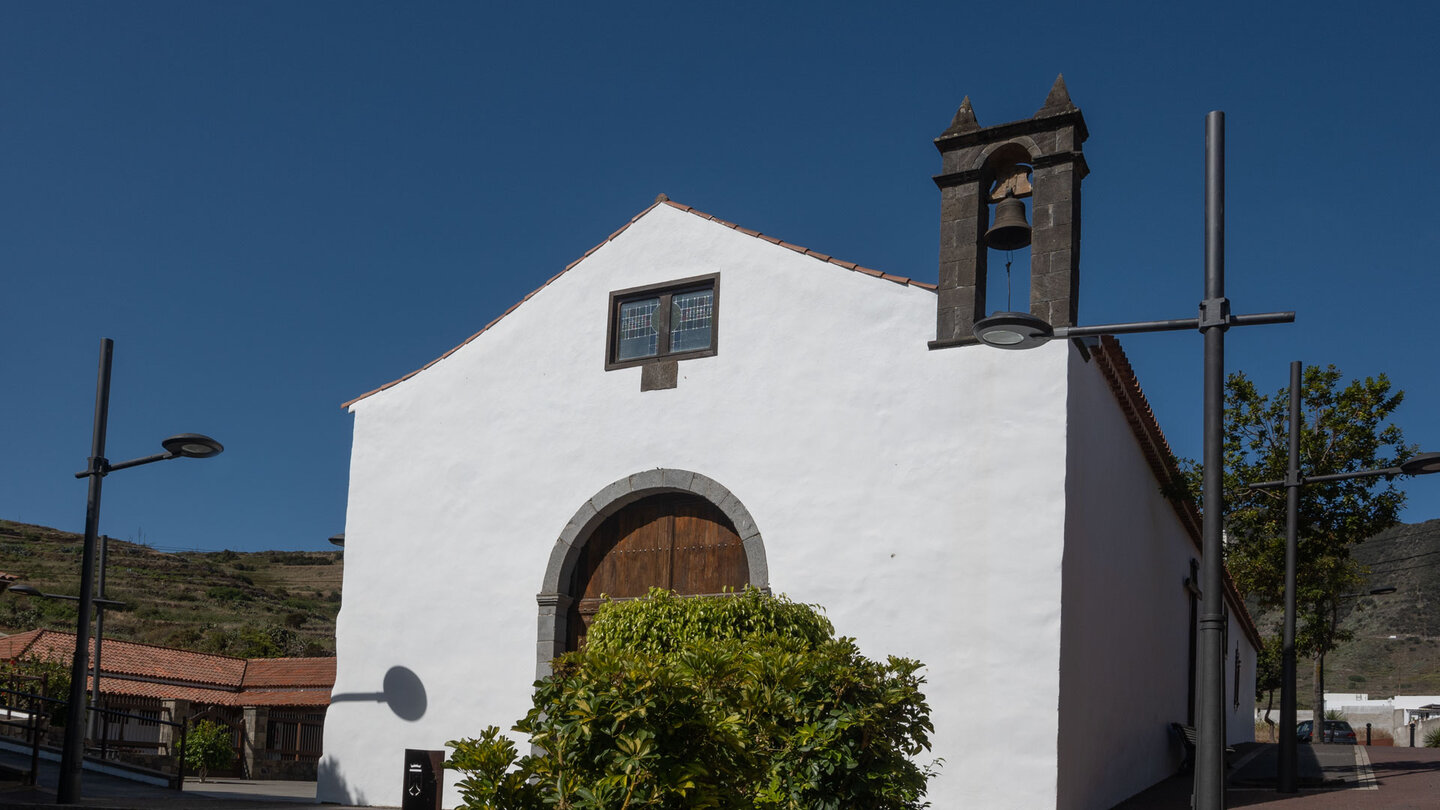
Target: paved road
[1333, 777]
[102, 791]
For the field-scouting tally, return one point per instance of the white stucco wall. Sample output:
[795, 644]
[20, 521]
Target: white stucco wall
[920, 496]
[1124, 641]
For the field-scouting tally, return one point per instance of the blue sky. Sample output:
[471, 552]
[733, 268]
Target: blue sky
[275, 207]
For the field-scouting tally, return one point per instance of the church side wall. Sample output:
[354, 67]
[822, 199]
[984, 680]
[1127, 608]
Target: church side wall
[917, 495]
[1125, 643]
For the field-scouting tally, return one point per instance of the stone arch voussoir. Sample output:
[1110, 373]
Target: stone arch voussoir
[555, 603]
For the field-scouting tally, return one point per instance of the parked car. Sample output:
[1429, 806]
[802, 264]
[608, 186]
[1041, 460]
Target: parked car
[1336, 731]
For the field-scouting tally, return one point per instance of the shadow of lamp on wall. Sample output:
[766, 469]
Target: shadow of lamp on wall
[402, 690]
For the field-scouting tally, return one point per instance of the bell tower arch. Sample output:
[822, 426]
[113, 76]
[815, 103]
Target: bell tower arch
[1038, 159]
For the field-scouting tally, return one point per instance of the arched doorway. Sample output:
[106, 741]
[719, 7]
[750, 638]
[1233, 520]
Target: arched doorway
[558, 593]
[676, 541]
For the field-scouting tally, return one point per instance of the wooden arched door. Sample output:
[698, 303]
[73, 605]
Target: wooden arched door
[676, 541]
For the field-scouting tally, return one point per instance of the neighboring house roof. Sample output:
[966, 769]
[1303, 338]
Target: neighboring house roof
[661, 200]
[284, 672]
[147, 670]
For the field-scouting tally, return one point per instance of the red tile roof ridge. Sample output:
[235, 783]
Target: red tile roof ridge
[1125, 385]
[660, 200]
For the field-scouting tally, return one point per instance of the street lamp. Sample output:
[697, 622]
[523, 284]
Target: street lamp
[1287, 763]
[1018, 330]
[184, 445]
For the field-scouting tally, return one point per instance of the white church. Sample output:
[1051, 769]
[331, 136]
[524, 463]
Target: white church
[697, 406]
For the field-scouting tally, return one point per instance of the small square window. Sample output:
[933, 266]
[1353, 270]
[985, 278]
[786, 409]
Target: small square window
[672, 321]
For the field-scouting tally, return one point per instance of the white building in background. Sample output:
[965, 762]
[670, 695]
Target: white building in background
[695, 405]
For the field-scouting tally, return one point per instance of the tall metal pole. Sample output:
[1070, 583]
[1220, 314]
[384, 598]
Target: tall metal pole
[95, 726]
[72, 755]
[1287, 768]
[1209, 791]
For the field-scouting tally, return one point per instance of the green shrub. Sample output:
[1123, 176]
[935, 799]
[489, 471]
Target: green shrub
[226, 593]
[207, 746]
[1432, 738]
[40, 677]
[750, 704]
[662, 623]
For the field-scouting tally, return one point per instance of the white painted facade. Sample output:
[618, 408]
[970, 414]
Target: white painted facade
[989, 513]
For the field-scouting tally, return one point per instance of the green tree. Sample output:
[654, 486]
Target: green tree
[1345, 428]
[1268, 675]
[39, 676]
[207, 746]
[739, 703]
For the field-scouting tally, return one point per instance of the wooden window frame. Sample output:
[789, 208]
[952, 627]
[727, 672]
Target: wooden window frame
[664, 292]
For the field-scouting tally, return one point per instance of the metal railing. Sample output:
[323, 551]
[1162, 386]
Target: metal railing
[36, 720]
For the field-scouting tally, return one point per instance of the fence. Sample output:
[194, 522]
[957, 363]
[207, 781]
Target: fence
[33, 712]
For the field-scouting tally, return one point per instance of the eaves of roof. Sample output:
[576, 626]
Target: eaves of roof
[146, 670]
[214, 697]
[1120, 375]
[661, 200]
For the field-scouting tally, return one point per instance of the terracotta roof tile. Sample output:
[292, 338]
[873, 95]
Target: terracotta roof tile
[16, 646]
[147, 670]
[261, 672]
[661, 200]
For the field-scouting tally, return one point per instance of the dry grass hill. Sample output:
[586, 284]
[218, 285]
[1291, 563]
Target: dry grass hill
[247, 604]
[1396, 649]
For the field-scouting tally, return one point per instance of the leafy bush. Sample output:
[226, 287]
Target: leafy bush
[1432, 738]
[207, 746]
[750, 704]
[40, 677]
[663, 623]
[227, 593]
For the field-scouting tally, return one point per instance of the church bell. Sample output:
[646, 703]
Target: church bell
[1011, 231]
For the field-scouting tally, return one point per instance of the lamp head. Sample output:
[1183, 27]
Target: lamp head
[1013, 330]
[338, 539]
[1423, 464]
[193, 445]
[25, 590]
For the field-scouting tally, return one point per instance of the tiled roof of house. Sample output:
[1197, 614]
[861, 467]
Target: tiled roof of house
[317, 696]
[272, 672]
[12, 647]
[1113, 363]
[131, 658]
[147, 670]
[661, 200]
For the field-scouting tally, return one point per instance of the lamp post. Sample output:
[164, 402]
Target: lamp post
[1016, 330]
[1287, 762]
[184, 445]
